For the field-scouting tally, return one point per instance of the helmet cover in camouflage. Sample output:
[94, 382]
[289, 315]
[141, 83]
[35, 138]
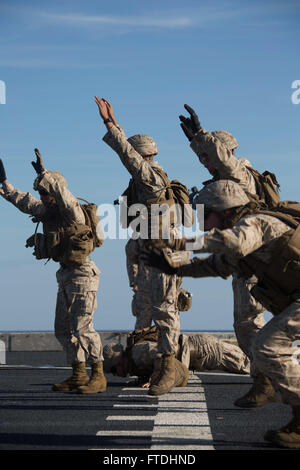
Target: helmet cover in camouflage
[58, 177]
[112, 353]
[221, 195]
[143, 144]
[226, 138]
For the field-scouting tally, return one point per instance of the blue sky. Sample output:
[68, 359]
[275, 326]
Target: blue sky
[233, 61]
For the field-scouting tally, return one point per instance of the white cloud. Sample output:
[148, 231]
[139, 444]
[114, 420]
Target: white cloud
[135, 21]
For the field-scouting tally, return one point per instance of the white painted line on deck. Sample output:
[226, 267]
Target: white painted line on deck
[181, 420]
[130, 418]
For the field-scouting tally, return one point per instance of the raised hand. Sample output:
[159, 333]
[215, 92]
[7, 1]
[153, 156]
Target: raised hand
[38, 165]
[190, 125]
[2, 172]
[102, 106]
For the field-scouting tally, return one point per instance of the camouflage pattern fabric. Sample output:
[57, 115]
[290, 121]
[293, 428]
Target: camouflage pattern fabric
[224, 160]
[77, 287]
[205, 352]
[276, 354]
[272, 347]
[75, 307]
[156, 298]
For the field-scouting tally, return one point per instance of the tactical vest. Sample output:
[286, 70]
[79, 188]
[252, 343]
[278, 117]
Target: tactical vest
[69, 246]
[278, 280]
[175, 195]
[164, 196]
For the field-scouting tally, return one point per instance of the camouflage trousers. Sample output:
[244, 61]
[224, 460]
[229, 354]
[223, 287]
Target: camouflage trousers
[209, 353]
[248, 315]
[276, 353]
[156, 300]
[75, 307]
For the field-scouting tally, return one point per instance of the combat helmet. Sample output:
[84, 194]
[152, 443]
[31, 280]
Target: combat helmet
[221, 195]
[226, 138]
[58, 177]
[143, 144]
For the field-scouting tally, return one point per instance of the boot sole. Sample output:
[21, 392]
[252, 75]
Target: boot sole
[89, 392]
[157, 393]
[74, 387]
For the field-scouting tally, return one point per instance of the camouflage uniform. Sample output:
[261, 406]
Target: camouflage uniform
[197, 352]
[77, 287]
[145, 278]
[272, 350]
[159, 290]
[248, 313]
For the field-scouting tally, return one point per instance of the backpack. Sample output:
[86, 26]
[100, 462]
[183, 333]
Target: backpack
[278, 281]
[181, 196]
[267, 187]
[93, 221]
[174, 192]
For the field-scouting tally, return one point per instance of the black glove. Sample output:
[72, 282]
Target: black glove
[158, 260]
[38, 165]
[193, 192]
[191, 125]
[2, 172]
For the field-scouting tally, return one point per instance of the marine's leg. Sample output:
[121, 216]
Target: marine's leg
[164, 294]
[248, 321]
[277, 355]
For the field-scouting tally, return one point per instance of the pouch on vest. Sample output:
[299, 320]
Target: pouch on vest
[93, 221]
[184, 300]
[77, 244]
[38, 241]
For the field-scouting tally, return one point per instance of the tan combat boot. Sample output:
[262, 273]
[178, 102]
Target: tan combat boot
[289, 435]
[181, 374]
[166, 379]
[261, 393]
[78, 378]
[97, 382]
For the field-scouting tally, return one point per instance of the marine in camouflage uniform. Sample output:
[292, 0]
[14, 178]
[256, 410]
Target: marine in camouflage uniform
[159, 290]
[140, 280]
[77, 285]
[197, 352]
[274, 350]
[216, 151]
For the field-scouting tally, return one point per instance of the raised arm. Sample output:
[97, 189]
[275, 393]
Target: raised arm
[136, 165]
[215, 151]
[25, 202]
[55, 185]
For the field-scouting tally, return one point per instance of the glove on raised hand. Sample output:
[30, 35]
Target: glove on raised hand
[190, 125]
[38, 165]
[2, 172]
